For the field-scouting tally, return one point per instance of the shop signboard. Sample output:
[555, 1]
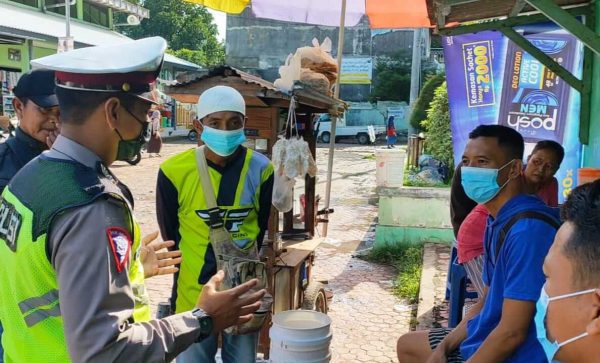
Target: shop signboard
[493, 81]
[356, 71]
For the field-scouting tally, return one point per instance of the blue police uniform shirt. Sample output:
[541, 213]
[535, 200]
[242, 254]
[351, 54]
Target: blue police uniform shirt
[516, 275]
[15, 153]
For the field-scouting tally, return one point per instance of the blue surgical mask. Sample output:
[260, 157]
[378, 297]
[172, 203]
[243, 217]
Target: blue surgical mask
[223, 143]
[481, 184]
[552, 347]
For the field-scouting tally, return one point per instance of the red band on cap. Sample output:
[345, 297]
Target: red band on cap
[133, 78]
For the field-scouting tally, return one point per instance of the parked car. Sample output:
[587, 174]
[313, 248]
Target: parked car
[342, 131]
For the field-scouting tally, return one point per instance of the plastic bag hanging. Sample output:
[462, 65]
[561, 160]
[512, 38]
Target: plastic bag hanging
[291, 158]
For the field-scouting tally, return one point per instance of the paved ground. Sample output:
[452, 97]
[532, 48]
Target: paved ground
[367, 318]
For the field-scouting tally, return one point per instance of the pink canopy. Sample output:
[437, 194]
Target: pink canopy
[382, 14]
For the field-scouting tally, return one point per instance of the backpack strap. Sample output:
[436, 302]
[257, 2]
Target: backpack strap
[523, 215]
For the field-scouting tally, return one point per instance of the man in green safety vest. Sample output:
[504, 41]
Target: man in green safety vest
[73, 263]
[243, 183]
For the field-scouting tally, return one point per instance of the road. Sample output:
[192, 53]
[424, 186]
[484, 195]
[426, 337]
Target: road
[367, 318]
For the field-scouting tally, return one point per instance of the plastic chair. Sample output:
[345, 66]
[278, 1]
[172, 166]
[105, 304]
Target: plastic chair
[456, 290]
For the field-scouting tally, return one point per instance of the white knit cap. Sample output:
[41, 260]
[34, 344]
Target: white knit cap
[218, 99]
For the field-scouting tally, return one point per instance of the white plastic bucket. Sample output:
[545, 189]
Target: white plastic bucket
[390, 167]
[300, 336]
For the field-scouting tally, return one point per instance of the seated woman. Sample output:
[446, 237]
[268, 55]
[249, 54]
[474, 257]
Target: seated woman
[539, 179]
[542, 164]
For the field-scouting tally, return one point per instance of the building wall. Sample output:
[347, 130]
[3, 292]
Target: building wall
[23, 64]
[261, 46]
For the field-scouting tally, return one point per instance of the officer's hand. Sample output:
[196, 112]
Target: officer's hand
[229, 307]
[158, 263]
[51, 138]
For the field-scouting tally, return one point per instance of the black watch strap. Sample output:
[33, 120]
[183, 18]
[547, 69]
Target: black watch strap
[205, 321]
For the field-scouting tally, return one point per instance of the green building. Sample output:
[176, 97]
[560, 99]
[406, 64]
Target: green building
[31, 29]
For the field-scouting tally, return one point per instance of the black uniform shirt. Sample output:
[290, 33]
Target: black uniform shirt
[15, 153]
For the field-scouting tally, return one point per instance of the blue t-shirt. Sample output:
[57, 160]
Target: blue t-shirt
[516, 275]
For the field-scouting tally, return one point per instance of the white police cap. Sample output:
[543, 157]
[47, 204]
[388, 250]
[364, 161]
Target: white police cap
[130, 67]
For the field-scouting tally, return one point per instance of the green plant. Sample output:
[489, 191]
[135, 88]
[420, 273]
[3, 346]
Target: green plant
[188, 28]
[437, 124]
[392, 78]
[424, 101]
[407, 258]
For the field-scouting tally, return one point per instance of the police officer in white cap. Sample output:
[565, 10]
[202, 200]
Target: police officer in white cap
[73, 263]
[243, 183]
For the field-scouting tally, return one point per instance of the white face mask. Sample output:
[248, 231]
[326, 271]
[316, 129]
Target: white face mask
[552, 347]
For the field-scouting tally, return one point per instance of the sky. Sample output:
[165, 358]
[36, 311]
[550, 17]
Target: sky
[220, 20]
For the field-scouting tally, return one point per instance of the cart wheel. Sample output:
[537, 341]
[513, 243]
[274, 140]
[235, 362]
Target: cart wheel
[136, 159]
[315, 298]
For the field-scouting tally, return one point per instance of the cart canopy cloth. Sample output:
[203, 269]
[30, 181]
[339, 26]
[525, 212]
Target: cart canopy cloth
[382, 14]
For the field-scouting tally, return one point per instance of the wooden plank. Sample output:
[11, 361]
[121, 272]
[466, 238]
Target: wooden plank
[297, 252]
[259, 118]
[185, 98]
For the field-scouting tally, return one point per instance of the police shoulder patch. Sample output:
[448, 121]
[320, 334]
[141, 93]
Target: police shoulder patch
[119, 241]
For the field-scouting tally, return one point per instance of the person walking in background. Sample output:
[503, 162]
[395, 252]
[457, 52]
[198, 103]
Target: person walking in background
[391, 133]
[155, 143]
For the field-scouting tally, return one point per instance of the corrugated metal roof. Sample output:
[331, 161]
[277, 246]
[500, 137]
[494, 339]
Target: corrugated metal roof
[484, 9]
[228, 71]
[301, 91]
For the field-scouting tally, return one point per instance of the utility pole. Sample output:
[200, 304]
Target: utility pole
[415, 76]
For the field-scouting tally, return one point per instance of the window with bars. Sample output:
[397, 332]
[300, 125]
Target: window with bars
[33, 3]
[95, 14]
[61, 9]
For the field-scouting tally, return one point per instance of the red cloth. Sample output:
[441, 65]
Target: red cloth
[391, 131]
[549, 193]
[470, 234]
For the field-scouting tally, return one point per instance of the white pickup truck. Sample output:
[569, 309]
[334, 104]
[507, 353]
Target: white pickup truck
[362, 134]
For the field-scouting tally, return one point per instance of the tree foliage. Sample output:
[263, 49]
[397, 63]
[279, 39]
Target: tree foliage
[392, 78]
[437, 124]
[423, 103]
[189, 29]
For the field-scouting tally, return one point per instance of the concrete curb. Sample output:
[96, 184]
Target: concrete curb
[425, 318]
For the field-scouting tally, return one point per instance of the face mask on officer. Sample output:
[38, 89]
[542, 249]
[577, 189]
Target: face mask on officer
[128, 149]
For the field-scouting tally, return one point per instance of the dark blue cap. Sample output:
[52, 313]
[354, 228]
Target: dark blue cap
[38, 86]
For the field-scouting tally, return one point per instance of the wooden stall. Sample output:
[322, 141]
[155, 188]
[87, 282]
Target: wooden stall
[289, 248]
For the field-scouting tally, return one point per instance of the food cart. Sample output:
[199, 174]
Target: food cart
[289, 250]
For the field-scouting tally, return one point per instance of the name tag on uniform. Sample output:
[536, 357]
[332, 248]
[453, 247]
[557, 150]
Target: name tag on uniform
[10, 224]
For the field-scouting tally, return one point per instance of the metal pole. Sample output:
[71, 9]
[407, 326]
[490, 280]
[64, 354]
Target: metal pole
[68, 16]
[340, 53]
[415, 77]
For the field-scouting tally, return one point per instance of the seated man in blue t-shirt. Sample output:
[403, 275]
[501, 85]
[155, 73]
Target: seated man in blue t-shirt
[499, 328]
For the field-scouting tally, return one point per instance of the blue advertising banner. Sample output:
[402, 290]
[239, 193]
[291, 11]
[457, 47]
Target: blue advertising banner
[493, 81]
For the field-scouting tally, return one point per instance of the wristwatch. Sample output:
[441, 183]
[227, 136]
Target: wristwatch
[206, 323]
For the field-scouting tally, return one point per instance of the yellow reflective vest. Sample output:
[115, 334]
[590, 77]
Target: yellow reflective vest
[238, 189]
